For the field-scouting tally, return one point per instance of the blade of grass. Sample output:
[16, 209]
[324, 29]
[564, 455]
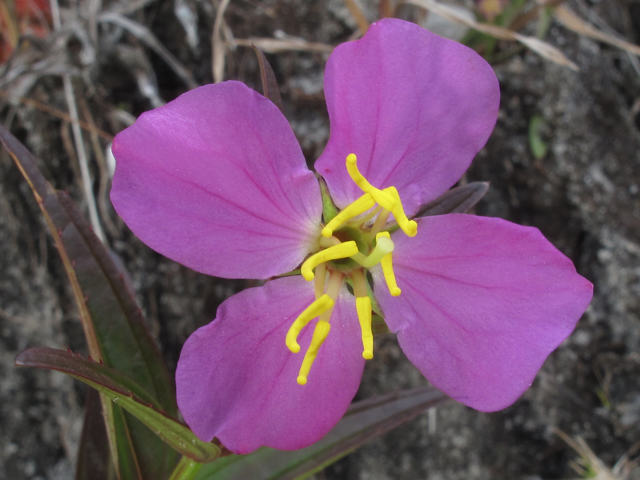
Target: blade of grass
[123, 391]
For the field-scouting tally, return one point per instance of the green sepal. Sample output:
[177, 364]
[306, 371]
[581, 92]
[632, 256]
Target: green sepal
[329, 209]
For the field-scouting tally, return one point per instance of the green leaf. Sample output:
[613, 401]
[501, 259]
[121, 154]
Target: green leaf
[93, 456]
[126, 393]
[457, 200]
[538, 147]
[365, 421]
[186, 469]
[113, 324]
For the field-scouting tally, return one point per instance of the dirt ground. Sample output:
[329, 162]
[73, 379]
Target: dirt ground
[584, 195]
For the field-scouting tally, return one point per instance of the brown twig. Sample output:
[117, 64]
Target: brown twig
[57, 113]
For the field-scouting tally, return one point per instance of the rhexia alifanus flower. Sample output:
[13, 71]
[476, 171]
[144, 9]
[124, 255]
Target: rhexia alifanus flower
[217, 181]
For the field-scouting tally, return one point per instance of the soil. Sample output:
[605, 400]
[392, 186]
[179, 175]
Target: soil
[584, 195]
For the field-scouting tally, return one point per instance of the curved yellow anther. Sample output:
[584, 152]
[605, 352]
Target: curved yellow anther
[342, 250]
[381, 197]
[363, 307]
[409, 227]
[361, 205]
[387, 268]
[319, 336]
[384, 246]
[317, 308]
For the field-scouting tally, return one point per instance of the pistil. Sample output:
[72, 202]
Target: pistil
[336, 252]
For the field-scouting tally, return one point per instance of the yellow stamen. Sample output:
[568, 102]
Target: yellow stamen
[321, 305]
[363, 307]
[387, 268]
[382, 197]
[361, 205]
[343, 250]
[319, 336]
[384, 246]
[409, 227]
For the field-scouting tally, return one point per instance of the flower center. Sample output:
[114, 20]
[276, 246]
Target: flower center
[355, 220]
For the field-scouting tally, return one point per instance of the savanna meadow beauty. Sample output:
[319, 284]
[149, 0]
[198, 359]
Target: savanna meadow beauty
[216, 181]
[353, 287]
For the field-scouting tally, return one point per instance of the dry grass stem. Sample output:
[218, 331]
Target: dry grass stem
[150, 40]
[523, 19]
[87, 184]
[274, 45]
[56, 113]
[104, 174]
[218, 47]
[590, 466]
[358, 16]
[542, 48]
[576, 24]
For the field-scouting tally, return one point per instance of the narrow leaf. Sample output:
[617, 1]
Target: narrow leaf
[115, 329]
[457, 200]
[270, 87]
[538, 146]
[125, 393]
[113, 324]
[186, 469]
[365, 421]
[94, 462]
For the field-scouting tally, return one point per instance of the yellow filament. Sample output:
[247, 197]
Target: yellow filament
[343, 250]
[363, 307]
[319, 336]
[380, 222]
[382, 197]
[369, 216]
[384, 246]
[387, 268]
[321, 305]
[361, 205]
[409, 227]
[321, 276]
[333, 290]
[328, 242]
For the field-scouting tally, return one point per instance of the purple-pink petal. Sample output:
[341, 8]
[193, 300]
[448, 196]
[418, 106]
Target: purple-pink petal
[483, 303]
[216, 180]
[415, 108]
[236, 379]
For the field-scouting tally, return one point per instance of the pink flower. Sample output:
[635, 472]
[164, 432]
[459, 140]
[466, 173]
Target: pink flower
[216, 181]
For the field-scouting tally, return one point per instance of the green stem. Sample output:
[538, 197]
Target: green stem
[186, 469]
